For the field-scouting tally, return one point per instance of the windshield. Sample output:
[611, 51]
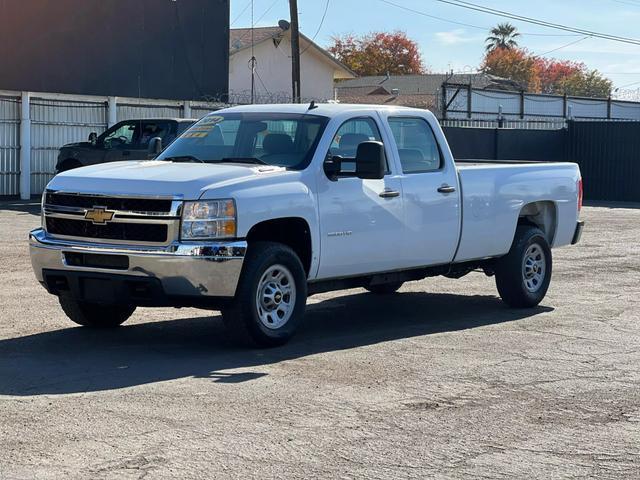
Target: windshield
[281, 139]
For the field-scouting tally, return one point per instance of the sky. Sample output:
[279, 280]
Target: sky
[445, 45]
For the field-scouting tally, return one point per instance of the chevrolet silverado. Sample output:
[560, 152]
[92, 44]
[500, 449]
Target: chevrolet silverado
[254, 208]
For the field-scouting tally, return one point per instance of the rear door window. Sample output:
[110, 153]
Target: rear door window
[417, 145]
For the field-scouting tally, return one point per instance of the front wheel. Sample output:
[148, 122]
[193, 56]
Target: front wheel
[523, 275]
[270, 299]
[95, 315]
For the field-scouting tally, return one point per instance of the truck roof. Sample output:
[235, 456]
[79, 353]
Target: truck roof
[326, 109]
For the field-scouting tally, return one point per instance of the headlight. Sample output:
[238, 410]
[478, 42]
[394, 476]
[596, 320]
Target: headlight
[208, 219]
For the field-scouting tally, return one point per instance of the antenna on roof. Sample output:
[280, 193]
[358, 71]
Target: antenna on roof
[312, 105]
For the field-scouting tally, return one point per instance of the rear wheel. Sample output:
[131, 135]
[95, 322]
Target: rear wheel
[524, 274]
[270, 299]
[384, 288]
[95, 315]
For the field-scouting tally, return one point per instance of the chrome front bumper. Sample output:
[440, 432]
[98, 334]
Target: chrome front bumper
[205, 270]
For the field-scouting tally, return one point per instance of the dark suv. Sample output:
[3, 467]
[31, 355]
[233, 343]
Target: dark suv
[127, 140]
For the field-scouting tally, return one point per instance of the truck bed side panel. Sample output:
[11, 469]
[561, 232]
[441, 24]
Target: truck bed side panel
[494, 195]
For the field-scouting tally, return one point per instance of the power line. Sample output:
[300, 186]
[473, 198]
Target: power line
[534, 21]
[259, 18]
[477, 27]
[241, 13]
[326, 8]
[628, 85]
[627, 2]
[563, 46]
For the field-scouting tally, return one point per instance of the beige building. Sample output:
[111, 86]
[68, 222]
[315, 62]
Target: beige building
[272, 50]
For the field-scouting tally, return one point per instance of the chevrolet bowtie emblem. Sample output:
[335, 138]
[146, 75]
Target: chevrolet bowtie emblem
[99, 215]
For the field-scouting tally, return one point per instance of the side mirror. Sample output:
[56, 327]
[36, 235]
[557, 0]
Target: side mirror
[93, 138]
[155, 146]
[371, 163]
[332, 166]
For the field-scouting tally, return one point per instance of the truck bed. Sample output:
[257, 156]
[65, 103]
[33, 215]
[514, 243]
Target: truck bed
[494, 193]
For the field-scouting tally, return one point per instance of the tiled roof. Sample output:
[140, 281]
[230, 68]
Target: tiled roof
[240, 38]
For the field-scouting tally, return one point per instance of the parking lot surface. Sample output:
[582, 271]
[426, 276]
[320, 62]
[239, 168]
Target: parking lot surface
[440, 380]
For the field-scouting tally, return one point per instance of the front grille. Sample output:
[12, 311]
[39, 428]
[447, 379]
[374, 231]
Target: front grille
[111, 203]
[137, 232]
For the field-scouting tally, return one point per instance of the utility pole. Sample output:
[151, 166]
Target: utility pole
[295, 51]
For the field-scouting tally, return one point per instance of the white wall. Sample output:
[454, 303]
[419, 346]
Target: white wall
[274, 68]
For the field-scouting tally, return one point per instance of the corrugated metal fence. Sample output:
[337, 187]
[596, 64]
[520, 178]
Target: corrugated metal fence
[59, 119]
[9, 145]
[609, 158]
[55, 123]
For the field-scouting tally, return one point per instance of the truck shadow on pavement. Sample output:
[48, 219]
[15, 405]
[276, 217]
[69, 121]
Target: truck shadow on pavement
[82, 360]
[21, 206]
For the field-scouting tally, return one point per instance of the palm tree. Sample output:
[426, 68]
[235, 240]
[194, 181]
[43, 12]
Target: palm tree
[502, 36]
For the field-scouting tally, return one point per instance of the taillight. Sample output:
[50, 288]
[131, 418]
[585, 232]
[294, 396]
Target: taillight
[580, 195]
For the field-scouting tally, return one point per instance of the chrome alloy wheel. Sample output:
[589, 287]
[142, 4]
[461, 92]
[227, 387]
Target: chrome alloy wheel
[534, 268]
[276, 296]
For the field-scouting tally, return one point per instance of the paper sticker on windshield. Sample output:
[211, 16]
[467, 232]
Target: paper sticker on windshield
[211, 120]
[195, 134]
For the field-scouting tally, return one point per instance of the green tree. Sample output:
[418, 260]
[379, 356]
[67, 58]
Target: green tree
[502, 36]
[586, 83]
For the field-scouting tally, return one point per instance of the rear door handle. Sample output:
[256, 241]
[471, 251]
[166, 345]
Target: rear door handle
[386, 193]
[126, 153]
[446, 189]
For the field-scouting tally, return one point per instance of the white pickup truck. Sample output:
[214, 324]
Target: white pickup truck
[256, 207]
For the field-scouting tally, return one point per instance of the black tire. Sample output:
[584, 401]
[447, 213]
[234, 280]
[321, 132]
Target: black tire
[95, 315]
[242, 317]
[384, 288]
[523, 286]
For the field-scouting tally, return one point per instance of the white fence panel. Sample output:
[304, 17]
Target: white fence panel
[9, 145]
[129, 111]
[485, 105]
[55, 123]
[584, 108]
[625, 110]
[485, 102]
[457, 100]
[543, 106]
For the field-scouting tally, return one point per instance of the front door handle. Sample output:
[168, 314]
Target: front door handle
[386, 193]
[126, 153]
[446, 189]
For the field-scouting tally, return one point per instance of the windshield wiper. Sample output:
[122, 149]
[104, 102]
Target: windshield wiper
[183, 158]
[252, 160]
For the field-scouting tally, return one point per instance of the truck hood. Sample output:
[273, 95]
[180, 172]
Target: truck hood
[152, 177]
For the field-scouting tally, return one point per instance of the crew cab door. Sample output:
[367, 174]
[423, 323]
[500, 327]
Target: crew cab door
[361, 221]
[430, 187]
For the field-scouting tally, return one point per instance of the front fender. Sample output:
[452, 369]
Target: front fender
[270, 199]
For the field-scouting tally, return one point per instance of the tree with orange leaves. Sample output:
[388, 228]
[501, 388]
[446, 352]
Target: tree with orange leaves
[515, 64]
[378, 53]
[544, 75]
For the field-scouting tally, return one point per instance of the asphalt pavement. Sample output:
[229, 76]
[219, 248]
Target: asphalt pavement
[441, 380]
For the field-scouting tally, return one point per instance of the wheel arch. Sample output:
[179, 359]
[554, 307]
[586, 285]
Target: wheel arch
[542, 214]
[294, 232]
